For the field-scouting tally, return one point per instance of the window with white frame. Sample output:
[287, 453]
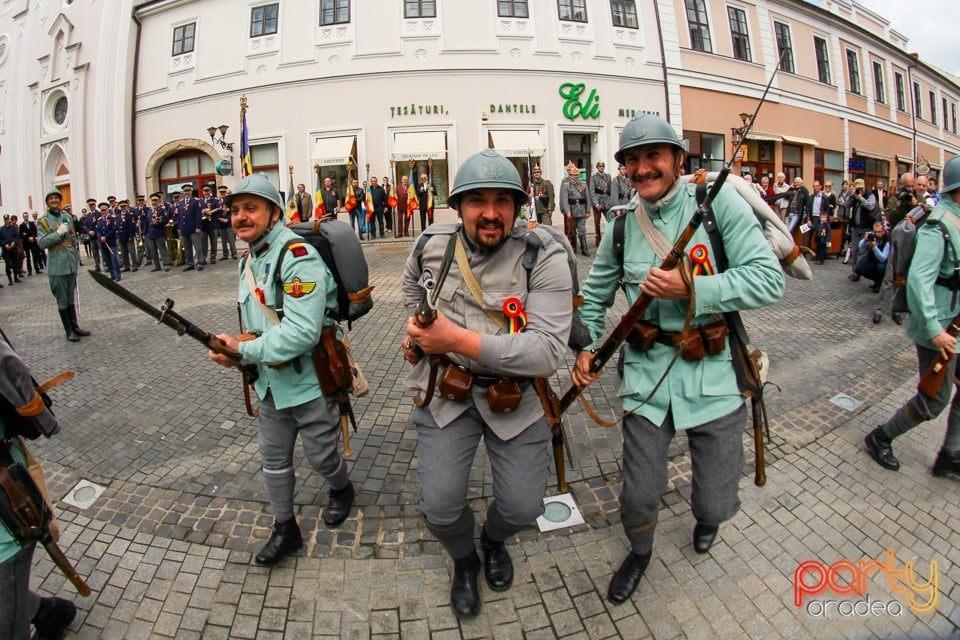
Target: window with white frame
[900, 88]
[853, 71]
[184, 38]
[879, 88]
[944, 112]
[699, 26]
[265, 158]
[624, 13]
[823, 59]
[738, 33]
[263, 20]
[513, 9]
[784, 46]
[917, 102]
[933, 108]
[334, 12]
[419, 9]
[572, 10]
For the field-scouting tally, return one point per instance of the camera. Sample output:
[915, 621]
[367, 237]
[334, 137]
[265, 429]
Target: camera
[859, 191]
[871, 236]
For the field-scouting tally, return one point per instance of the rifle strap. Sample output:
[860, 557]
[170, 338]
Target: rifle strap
[472, 284]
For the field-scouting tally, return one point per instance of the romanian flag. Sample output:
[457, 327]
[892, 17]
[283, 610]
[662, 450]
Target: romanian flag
[246, 163]
[293, 215]
[369, 201]
[320, 210]
[351, 202]
[412, 203]
[392, 199]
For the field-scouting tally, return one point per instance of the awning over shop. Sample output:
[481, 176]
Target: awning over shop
[764, 137]
[905, 160]
[419, 145]
[799, 140]
[333, 151]
[516, 144]
[863, 153]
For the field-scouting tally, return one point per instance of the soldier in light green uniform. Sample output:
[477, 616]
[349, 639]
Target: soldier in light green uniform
[933, 289]
[698, 396]
[291, 402]
[56, 234]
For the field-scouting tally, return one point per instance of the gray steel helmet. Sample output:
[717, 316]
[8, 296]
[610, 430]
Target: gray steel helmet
[950, 178]
[487, 170]
[644, 129]
[256, 184]
[53, 192]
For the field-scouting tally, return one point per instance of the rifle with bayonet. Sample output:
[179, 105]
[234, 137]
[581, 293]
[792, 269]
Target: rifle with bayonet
[166, 315]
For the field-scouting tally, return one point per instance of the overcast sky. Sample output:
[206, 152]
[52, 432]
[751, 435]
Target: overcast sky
[929, 25]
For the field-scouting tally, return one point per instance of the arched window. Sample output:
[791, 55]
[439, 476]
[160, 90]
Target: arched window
[182, 167]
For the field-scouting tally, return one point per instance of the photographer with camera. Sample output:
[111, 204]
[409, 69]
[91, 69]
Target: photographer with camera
[874, 250]
[861, 217]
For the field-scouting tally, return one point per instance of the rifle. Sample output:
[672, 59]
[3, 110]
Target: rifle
[166, 315]
[26, 514]
[932, 378]
[558, 440]
[425, 314]
[333, 373]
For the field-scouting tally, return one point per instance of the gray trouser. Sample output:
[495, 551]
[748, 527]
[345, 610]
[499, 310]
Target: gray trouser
[520, 466]
[883, 302]
[128, 254]
[229, 240]
[581, 230]
[716, 456]
[95, 250]
[158, 252]
[208, 240]
[920, 408]
[317, 424]
[856, 235]
[19, 605]
[64, 289]
[192, 250]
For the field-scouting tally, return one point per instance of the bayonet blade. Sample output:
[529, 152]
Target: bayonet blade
[126, 295]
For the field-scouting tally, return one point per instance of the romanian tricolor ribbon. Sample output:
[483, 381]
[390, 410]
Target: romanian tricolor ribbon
[701, 261]
[516, 315]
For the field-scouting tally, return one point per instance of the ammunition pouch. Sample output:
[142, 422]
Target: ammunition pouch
[504, 396]
[23, 510]
[331, 364]
[695, 344]
[455, 383]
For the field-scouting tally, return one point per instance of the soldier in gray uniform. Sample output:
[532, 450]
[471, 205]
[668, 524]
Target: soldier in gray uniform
[621, 191]
[543, 197]
[600, 193]
[575, 203]
[56, 234]
[494, 363]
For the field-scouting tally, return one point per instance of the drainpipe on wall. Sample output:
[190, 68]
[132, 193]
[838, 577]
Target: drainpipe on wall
[913, 110]
[133, 104]
[663, 59]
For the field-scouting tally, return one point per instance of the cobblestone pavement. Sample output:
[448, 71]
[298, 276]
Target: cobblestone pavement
[168, 546]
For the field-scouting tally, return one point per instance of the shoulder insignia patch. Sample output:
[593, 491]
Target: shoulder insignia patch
[298, 250]
[297, 288]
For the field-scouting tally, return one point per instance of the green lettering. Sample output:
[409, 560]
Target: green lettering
[571, 92]
[391, 111]
[493, 108]
[405, 112]
[591, 108]
[508, 108]
[534, 109]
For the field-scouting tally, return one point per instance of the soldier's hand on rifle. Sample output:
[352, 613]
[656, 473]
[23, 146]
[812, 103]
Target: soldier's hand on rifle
[410, 352]
[668, 285]
[946, 343]
[220, 357]
[580, 374]
[445, 337]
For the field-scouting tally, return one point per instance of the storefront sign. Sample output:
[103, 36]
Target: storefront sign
[629, 113]
[574, 107]
[513, 108]
[418, 110]
[857, 165]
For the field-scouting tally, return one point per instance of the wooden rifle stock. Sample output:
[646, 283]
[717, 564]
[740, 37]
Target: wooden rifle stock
[635, 313]
[333, 372]
[932, 378]
[551, 411]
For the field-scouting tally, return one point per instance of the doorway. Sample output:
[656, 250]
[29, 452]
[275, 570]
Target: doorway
[576, 149]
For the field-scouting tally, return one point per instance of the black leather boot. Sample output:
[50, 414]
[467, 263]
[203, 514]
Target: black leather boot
[497, 565]
[72, 312]
[881, 450]
[947, 464]
[703, 536]
[339, 507]
[284, 540]
[464, 592]
[53, 617]
[627, 577]
[67, 326]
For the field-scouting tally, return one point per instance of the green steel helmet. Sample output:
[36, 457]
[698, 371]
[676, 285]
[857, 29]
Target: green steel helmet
[644, 129]
[487, 170]
[53, 192]
[256, 184]
[950, 178]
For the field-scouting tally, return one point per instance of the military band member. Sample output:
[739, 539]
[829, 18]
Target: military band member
[600, 196]
[543, 197]
[699, 393]
[172, 234]
[487, 194]
[57, 236]
[158, 217]
[291, 402]
[127, 224]
[140, 240]
[107, 239]
[210, 223]
[227, 236]
[89, 224]
[575, 205]
[189, 214]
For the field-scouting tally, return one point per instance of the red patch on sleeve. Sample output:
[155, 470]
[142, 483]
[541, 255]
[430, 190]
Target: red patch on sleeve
[298, 250]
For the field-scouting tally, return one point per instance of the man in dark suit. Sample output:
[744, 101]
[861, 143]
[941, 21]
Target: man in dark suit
[379, 198]
[28, 236]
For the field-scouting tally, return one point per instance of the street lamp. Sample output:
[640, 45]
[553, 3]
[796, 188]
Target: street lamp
[739, 132]
[222, 140]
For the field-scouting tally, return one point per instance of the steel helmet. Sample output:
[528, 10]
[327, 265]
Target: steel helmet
[256, 184]
[487, 170]
[950, 178]
[644, 129]
[53, 192]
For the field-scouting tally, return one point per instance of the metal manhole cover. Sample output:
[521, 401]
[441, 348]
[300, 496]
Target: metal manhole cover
[844, 401]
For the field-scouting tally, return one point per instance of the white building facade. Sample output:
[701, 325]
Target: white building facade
[116, 97]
